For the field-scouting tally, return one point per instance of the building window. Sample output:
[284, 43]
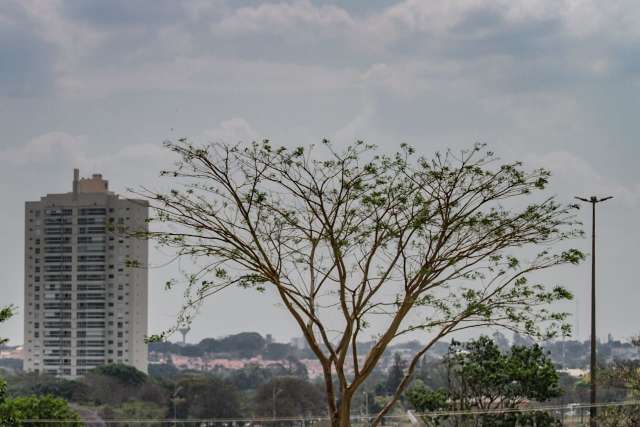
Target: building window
[92, 211]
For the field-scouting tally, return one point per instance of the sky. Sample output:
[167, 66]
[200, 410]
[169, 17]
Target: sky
[100, 85]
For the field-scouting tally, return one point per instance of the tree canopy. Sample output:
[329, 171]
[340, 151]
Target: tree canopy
[125, 374]
[244, 344]
[26, 410]
[209, 397]
[391, 243]
[622, 375]
[482, 377]
[289, 397]
[5, 314]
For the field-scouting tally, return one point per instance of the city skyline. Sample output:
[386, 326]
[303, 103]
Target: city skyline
[552, 86]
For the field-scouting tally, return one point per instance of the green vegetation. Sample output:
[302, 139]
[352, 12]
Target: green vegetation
[481, 377]
[451, 242]
[133, 410]
[203, 396]
[624, 377]
[5, 314]
[119, 392]
[21, 411]
[290, 397]
[123, 374]
[478, 374]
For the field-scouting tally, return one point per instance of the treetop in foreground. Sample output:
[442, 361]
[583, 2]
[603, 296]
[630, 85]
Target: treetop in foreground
[481, 377]
[354, 242]
[35, 410]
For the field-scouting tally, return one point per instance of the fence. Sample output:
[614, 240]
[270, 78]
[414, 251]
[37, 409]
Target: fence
[613, 414]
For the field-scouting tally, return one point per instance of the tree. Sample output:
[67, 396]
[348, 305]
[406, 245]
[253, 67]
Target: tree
[135, 409]
[245, 344]
[289, 397]
[163, 370]
[251, 376]
[125, 374]
[32, 383]
[623, 375]
[114, 384]
[396, 243]
[5, 313]
[395, 374]
[427, 400]
[21, 411]
[506, 380]
[432, 373]
[481, 377]
[276, 351]
[208, 397]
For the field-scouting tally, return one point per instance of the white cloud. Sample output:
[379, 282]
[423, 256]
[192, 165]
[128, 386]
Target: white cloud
[62, 148]
[586, 18]
[410, 78]
[182, 55]
[542, 76]
[45, 148]
[575, 175]
[72, 41]
[359, 128]
[579, 19]
[283, 17]
[232, 131]
[215, 75]
[417, 15]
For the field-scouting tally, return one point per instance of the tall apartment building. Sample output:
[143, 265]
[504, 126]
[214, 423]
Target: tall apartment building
[84, 304]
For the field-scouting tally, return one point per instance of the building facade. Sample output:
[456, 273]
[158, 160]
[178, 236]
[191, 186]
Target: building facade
[86, 281]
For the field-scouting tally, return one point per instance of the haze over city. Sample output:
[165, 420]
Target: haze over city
[319, 213]
[99, 88]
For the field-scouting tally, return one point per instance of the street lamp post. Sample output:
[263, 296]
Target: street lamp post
[276, 391]
[174, 401]
[594, 201]
[366, 407]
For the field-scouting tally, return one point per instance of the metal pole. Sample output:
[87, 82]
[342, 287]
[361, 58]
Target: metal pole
[366, 408]
[276, 392]
[593, 410]
[174, 400]
[274, 402]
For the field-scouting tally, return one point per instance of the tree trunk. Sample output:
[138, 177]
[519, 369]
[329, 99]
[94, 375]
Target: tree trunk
[344, 412]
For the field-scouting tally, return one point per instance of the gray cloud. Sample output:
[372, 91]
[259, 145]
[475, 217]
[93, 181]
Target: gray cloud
[26, 61]
[100, 85]
[122, 13]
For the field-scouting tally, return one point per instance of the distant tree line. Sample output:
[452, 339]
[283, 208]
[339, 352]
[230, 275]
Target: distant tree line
[242, 345]
[119, 391]
[471, 375]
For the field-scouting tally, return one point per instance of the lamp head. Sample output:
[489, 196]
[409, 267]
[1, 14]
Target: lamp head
[593, 199]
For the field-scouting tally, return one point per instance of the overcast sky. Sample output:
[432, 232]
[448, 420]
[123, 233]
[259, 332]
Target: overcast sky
[100, 85]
